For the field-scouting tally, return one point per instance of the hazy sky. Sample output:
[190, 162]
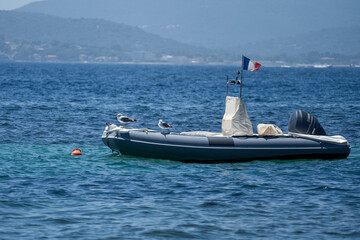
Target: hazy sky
[12, 4]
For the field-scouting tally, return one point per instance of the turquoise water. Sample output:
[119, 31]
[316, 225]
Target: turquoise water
[46, 110]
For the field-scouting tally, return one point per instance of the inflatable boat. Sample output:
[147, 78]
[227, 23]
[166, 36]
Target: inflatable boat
[306, 139]
[205, 147]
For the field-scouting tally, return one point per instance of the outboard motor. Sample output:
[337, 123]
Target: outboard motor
[305, 123]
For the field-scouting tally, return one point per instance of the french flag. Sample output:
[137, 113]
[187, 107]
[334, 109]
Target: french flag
[250, 65]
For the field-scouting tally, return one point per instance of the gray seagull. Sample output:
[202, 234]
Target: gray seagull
[124, 119]
[163, 125]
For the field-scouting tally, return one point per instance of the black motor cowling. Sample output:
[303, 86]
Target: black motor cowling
[305, 123]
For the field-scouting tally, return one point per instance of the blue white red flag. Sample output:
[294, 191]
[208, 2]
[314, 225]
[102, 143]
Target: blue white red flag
[250, 65]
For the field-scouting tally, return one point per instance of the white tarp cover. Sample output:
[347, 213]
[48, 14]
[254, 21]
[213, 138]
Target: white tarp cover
[268, 130]
[236, 120]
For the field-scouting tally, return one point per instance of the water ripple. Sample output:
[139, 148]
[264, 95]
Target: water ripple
[46, 193]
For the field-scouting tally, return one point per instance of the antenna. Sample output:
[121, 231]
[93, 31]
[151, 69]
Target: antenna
[241, 76]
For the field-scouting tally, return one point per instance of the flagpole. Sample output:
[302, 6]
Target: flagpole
[241, 72]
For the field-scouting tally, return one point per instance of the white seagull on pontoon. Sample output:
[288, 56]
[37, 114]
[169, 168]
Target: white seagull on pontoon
[124, 119]
[163, 125]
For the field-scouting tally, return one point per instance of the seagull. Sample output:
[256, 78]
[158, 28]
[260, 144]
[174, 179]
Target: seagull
[163, 125]
[124, 119]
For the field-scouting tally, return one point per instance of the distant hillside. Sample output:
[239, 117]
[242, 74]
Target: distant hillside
[95, 37]
[212, 23]
[39, 37]
[345, 41]
[92, 32]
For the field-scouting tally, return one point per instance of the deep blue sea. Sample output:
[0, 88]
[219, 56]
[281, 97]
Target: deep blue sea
[46, 110]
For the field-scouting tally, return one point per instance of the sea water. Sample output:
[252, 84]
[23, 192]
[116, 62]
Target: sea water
[46, 110]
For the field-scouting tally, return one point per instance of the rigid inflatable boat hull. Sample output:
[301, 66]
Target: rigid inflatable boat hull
[220, 148]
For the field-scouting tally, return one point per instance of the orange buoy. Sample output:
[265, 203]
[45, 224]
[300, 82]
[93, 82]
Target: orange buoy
[76, 151]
